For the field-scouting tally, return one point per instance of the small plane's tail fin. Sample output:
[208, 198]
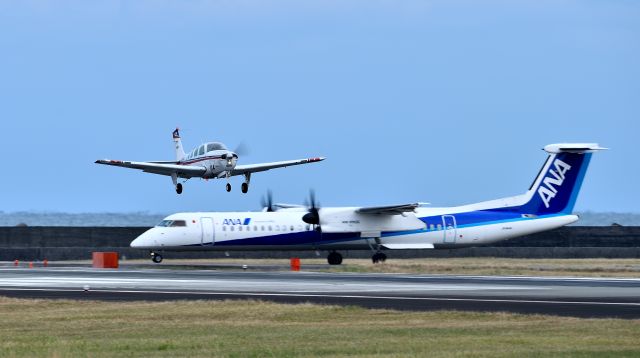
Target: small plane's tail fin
[556, 187]
[178, 145]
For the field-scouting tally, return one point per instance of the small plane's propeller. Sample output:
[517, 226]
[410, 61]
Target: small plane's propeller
[267, 202]
[242, 149]
[313, 216]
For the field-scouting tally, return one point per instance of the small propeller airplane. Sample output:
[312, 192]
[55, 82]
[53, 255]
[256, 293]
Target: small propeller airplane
[548, 204]
[208, 161]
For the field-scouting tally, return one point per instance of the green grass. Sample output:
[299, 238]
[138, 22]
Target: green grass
[34, 328]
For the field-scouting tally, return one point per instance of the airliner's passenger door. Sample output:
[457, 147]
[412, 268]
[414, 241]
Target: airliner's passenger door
[208, 233]
[449, 226]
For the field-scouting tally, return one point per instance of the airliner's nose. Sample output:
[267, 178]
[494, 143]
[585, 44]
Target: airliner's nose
[142, 241]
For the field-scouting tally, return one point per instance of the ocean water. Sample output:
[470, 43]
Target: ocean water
[587, 218]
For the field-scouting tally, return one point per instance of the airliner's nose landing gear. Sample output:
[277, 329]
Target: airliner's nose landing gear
[156, 257]
[334, 258]
[179, 188]
[378, 257]
[228, 187]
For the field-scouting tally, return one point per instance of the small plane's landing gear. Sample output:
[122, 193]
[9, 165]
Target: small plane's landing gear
[334, 258]
[378, 257]
[156, 257]
[228, 187]
[179, 188]
[245, 185]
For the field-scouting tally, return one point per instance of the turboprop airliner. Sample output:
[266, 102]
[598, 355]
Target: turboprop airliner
[547, 205]
[207, 161]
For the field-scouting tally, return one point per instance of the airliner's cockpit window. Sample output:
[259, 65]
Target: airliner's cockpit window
[215, 146]
[172, 223]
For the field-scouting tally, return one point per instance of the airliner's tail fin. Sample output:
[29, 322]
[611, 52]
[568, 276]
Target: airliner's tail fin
[178, 145]
[556, 188]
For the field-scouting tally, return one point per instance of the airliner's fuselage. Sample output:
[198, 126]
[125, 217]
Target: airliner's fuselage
[286, 231]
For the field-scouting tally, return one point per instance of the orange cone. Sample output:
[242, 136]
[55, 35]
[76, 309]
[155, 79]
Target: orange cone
[30, 264]
[45, 262]
[16, 263]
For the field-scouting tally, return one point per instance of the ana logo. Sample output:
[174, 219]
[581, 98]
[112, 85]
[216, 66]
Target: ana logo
[549, 186]
[236, 221]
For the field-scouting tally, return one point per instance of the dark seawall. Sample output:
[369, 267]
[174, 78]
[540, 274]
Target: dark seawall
[77, 243]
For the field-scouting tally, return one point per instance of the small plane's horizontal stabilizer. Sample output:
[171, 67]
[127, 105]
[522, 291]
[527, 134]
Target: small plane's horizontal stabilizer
[407, 246]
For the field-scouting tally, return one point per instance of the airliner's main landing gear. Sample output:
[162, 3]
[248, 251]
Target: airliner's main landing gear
[156, 257]
[378, 257]
[179, 188]
[334, 258]
[228, 187]
[245, 188]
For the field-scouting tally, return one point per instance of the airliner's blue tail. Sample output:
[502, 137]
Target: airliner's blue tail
[556, 188]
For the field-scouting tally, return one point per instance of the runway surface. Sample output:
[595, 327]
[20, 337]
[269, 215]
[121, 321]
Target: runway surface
[580, 297]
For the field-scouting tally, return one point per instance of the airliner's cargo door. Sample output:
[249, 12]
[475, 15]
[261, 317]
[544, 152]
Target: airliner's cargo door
[449, 226]
[208, 232]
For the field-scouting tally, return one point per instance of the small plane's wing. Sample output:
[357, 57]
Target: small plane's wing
[254, 168]
[183, 171]
[389, 210]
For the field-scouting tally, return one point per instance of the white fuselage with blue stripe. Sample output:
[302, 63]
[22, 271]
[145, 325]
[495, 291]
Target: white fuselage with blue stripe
[546, 205]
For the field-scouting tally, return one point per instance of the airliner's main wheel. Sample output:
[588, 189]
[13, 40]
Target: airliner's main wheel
[245, 188]
[228, 187]
[334, 258]
[179, 188]
[378, 257]
[157, 258]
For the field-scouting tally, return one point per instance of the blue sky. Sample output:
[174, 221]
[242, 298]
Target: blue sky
[441, 101]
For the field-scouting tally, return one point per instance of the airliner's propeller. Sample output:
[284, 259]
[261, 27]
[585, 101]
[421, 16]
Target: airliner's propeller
[313, 216]
[267, 202]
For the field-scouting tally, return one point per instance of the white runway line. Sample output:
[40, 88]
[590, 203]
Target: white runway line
[258, 294]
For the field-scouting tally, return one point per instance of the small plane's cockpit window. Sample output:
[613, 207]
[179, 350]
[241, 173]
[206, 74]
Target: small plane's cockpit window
[201, 150]
[172, 223]
[215, 146]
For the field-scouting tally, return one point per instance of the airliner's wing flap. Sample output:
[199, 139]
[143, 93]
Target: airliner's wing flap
[407, 246]
[389, 210]
[254, 168]
[183, 171]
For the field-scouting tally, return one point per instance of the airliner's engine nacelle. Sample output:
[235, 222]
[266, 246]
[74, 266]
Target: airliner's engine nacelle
[347, 220]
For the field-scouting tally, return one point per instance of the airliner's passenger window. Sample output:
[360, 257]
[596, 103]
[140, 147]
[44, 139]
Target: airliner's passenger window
[239, 228]
[432, 227]
[284, 227]
[255, 228]
[277, 228]
[269, 227]
[308, 227]
[178, 223]
[231, 228]
[262, 227]
[248, 228]
[292, 228]
[299, 227]
[439, 226]
[224, 228]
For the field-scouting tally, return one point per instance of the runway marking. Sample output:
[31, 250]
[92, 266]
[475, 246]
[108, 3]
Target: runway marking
[257, 294]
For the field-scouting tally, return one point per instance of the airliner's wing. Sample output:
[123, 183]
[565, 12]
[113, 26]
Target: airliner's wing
[389, 210]
[162, 168]
[254, 168]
